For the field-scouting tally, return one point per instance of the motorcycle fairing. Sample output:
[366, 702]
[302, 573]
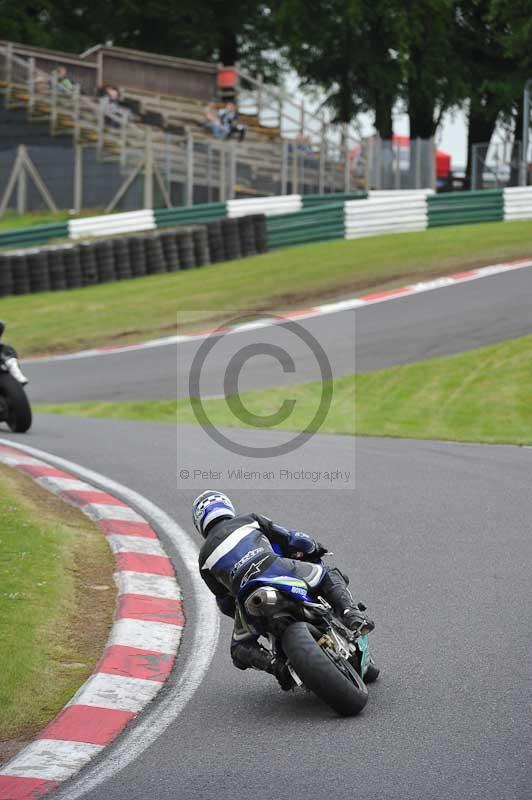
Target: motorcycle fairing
[295, 587]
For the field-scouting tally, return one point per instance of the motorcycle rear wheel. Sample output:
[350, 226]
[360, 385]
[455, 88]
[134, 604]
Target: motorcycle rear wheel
[17, 407]
[328, 676]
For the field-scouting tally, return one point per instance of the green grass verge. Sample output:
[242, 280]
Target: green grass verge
[11, 220]
[53, 620]
[138, 309]
[479, 396]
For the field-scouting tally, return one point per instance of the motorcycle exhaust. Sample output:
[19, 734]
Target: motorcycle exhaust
[15, 371]
[262, 601]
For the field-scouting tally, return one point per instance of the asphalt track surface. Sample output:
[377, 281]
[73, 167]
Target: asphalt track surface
[440, 322]
[436, 538]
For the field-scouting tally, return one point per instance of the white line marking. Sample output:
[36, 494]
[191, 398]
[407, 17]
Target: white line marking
[160, 637]
[57, 485]
[98, 511]
[316, 311]
[116, 692]
[51, 759]
[135, 544]
[146, 584]
[15, 461]
[193, 666]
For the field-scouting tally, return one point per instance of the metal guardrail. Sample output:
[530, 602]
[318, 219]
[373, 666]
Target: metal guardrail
[518, 203]
[461, 208]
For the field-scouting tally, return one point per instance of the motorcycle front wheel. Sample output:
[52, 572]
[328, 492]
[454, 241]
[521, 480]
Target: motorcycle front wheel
[14, 405]
[326, 674]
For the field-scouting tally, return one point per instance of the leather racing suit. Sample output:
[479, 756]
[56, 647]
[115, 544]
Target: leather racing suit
[236, 550]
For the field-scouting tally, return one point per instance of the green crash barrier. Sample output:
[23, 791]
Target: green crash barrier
[460, 208]
[37, 234]
[313, 224]
[320, 199]
[189, 215]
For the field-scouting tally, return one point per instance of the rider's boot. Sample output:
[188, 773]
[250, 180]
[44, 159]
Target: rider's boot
[334, 588]
[249, 654]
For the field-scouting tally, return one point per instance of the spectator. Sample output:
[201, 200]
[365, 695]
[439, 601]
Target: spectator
[304, 143]
[229, 120]
[213, 123]
[110, 102]
[64, 84]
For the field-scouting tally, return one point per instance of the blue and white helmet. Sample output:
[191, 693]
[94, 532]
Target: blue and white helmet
[210, 506]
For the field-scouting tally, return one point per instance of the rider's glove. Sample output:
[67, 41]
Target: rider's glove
[320, 550]
[317, 553]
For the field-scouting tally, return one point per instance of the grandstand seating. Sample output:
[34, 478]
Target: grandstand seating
[170, 125]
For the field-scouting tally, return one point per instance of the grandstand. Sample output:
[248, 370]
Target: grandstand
[163, 135]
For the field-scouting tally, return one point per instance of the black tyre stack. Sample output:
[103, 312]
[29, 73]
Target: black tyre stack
[105, 260]
[6, 276]
[56, 267]
[38, 271]
[154, 255]
[231, 238]
[137, 256]
[246, 229]
[20, 273]
[261, 232]
[185, 243]
[122, 259]
[171, 251]
[216, 242]
[73, 271]
[89, 267]
[201, 246]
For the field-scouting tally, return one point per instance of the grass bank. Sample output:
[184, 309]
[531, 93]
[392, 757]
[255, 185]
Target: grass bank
[12, 220]
[56, 605]
[482, 395]
[148, 307]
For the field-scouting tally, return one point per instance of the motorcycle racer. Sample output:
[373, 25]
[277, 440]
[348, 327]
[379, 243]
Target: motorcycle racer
[239, 547]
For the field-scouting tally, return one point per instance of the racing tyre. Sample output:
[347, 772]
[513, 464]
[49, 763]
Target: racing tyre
[330, 677]
[14, 405]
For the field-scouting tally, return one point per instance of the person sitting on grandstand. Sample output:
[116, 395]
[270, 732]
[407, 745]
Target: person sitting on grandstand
[64, 84]
[113, 110]
[230, 121]
[213, 123]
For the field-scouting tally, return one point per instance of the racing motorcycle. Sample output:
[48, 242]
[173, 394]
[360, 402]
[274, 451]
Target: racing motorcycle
[15, 409]
[320, 653]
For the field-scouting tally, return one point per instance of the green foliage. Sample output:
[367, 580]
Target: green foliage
[214, 30]
[347, 48]
[364, 54]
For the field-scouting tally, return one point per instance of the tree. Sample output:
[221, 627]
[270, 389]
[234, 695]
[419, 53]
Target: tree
[347, 48]
[513, 23]
[202, 29]
[24, 21]
[488, 75]
[433, 83]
